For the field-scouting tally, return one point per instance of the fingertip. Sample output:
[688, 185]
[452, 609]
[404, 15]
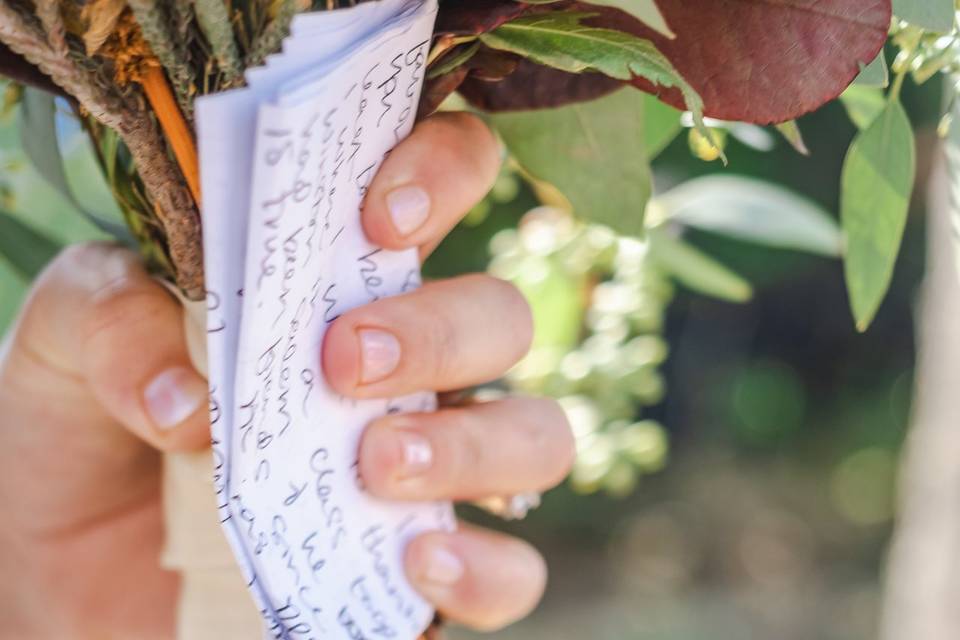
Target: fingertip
[176, 401]
[340, 357]
[393, 220]
[481, 579]
[516, 303]
[379, 456]
[430, 180]
[434, 563]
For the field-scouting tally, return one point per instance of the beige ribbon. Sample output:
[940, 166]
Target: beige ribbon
[214, 602]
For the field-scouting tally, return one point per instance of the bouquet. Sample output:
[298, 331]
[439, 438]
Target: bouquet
[131, 71]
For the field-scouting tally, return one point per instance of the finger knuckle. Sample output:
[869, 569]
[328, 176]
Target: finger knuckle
[444, 347]
[516, 309]
[63, 291]
[525, 592]
[117, 306]
[469, 448]
[472, 139]
[549, 434]
[87, 265]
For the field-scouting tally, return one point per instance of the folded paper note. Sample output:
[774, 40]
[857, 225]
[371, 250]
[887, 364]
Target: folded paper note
[285, 163]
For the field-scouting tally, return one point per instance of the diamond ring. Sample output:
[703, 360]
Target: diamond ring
[515, 507]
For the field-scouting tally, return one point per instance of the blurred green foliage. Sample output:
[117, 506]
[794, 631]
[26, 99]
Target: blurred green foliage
[783, 429]
[28, 197]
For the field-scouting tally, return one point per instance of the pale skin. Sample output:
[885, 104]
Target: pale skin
[96, 382]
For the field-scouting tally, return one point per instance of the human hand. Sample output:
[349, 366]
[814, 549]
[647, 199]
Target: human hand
[95, 381]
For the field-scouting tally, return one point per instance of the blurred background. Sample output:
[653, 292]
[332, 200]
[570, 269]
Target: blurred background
[739, 441]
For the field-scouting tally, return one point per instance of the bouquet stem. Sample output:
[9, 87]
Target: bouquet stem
[178, 134]
[174, 206]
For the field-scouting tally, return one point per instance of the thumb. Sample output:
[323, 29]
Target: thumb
[95, 317]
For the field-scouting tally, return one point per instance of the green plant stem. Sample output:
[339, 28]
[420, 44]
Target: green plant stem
[897, 85]
[150, 15]
[214, 21]
[271, 37]
[170, 199]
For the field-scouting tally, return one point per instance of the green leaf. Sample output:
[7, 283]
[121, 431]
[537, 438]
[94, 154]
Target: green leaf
[592, 152]
[790, 130]
[935, 15]
[646, 11]
[25, 249]
[559, 40]
[696, 270]
[750, 210]
[878, 177]
[38, 135]
[951, 147]
[661, 124]
[875, 74]
[453, 60]
[863, 104]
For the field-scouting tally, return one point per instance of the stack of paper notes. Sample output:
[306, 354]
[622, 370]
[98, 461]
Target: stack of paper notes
[285, 163]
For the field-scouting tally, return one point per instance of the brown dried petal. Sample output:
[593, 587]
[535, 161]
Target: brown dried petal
[100, 19]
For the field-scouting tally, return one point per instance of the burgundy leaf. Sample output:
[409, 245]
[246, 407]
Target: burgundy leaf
[763, 61]
[533, 86]
[436, 90]
[490, 65]
[487, 66]
[756, 61]
[473, 17]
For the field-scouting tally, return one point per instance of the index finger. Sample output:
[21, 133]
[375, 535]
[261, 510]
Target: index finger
[429, 181]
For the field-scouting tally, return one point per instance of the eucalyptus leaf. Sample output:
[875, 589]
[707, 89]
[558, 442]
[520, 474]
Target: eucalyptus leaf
[750, 210]
[646, 11]
[25, 249]
[558, 40]
[696, 270]
[592, 152]
[878, 178]
[935, 15]
[863, 104]
[875, 74]
[661, 124]
[790, 130]
[38, 134]
[951, 146]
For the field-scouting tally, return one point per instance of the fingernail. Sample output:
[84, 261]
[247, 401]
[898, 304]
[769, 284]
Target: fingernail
[409, 207]
[379, 354]
[417, 453]
[173, 396]
[443, 567]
